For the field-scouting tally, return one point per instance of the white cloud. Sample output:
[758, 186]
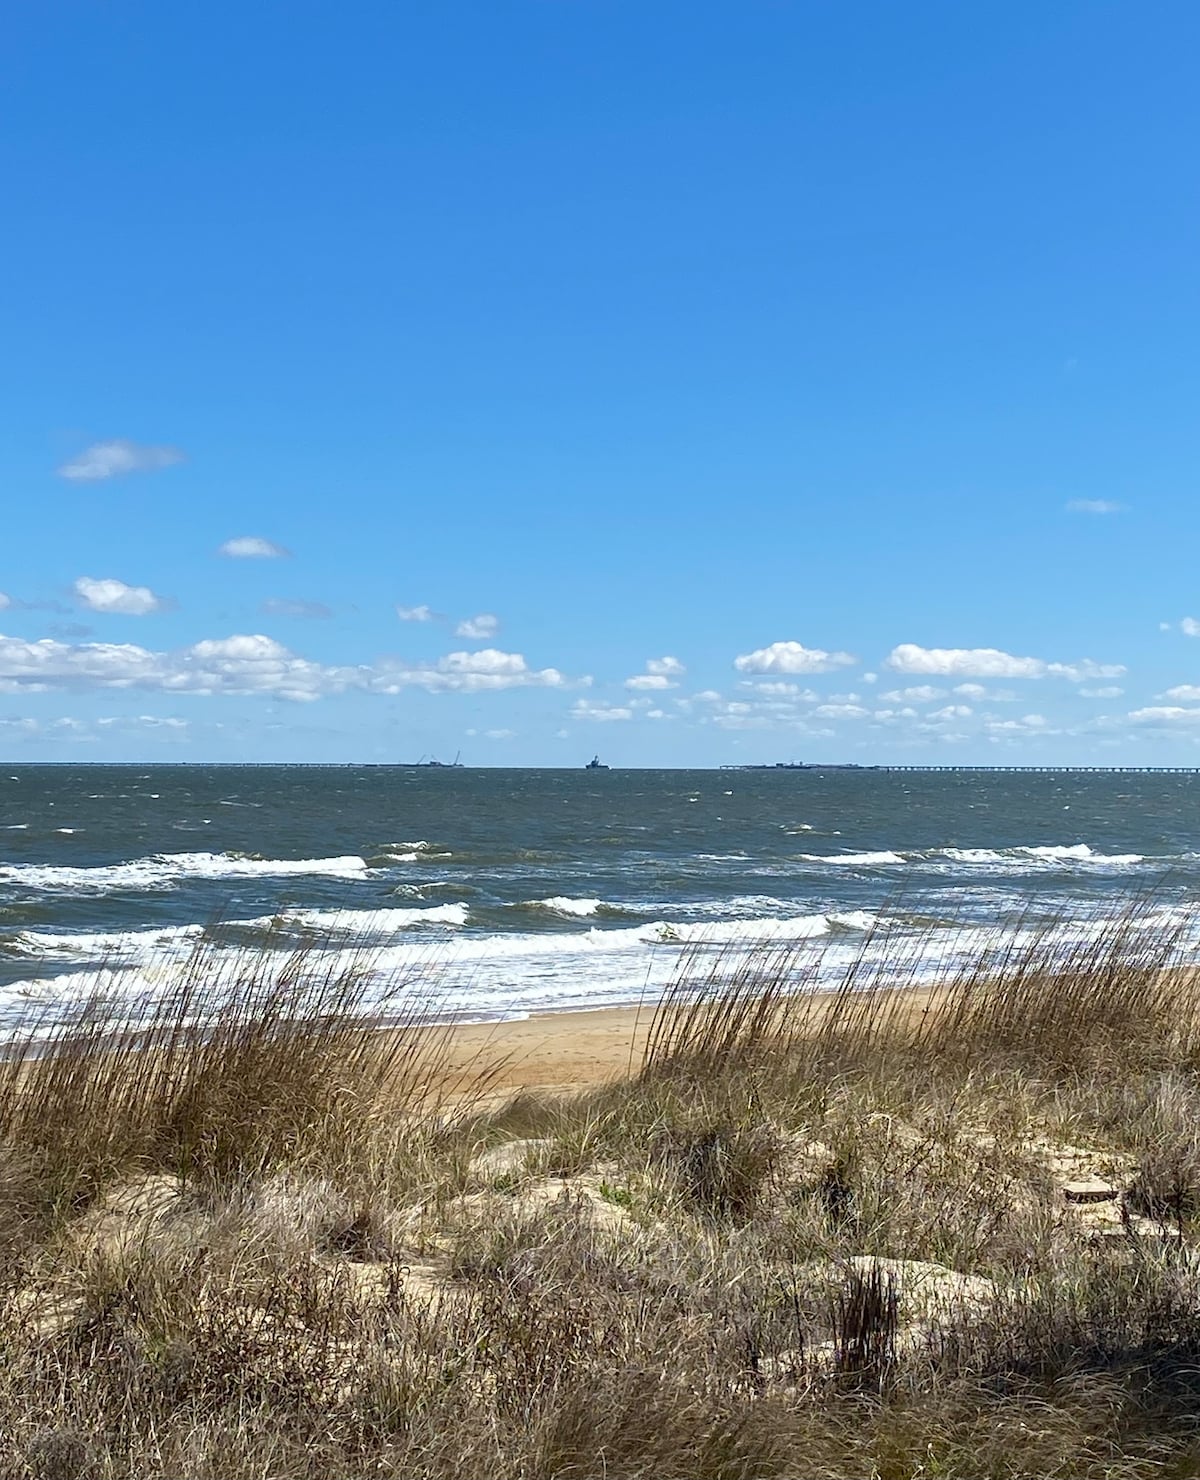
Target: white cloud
[144, 722]
[707, 696]
[1027, 724]
[660, 674]
[977, 692]
[840, 711]
[908, 657]
[1190, 627]
[778, 689]
[791, 657]
[1159, 716]
[251, 547]
[605, 713]
[483, 626]
[924, 693]
[1094, 506]
[952, 711]
[111, 459]
[280, 606]
[500, 734]
[248, 664]
[414, 613]
[468, 673]
[5, 601]
[1187, 693]
[1107, 691]
[116, 596]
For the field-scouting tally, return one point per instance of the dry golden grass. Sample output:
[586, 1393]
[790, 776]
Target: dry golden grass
[875, 1234]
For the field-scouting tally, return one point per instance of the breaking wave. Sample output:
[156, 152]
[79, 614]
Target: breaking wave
[168, 870]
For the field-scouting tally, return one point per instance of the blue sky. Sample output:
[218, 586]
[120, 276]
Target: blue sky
[717, 381]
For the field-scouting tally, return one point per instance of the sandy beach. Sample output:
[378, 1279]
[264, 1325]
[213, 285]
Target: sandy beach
[545, 1052]
[557, 1051]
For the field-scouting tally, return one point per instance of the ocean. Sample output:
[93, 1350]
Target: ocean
[498, 893]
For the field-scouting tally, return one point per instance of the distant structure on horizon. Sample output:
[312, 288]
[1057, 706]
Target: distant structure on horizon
[1038, 770]
[455, 764]
[595, 764]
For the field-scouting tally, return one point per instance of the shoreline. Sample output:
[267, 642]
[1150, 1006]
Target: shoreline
[581, 1048]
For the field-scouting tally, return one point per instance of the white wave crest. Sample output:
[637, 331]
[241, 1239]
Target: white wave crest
[1040, 854]
[359, 925]
[884, 856]
[168, 943]
[166, 870]
[1078, 853]
[749, 932]
[563, 904]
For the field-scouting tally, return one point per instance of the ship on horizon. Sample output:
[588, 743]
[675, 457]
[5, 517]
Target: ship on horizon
[596, 764]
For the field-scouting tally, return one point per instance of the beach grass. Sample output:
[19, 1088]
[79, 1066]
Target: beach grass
[948, 1232]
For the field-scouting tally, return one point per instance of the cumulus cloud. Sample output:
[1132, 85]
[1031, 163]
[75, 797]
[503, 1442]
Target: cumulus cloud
[908, 657]
[604, 713]
[1162, 716]
[468, 673]
[1190, 627]
[112, 459]
[115, 596]
[976, 691]
[167, 723]
[483, 626]
[660, 673]
[1186, 693]
[281, 606]
[777, 689]
[414, 613]
[952, 711]
[1106, 691]
[840, 711]
[791, 657]
[252, 547]
[1094, 506]
[1027, 724]
[248, 664]
[924, 693]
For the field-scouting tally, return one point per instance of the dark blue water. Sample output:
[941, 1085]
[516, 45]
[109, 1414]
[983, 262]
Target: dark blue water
[522, 890]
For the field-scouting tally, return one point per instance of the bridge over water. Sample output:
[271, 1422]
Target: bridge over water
[989, 770]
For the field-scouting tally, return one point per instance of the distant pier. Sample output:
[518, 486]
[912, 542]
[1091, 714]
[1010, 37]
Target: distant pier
[985, 770]
[1053, 770]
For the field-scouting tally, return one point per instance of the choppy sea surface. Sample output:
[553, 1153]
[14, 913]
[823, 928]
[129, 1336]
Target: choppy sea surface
[504, 892]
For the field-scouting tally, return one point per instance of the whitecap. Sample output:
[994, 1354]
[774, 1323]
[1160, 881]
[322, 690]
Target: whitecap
[165, 870]
[562, 904]
[866, 860]
[359, 924]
